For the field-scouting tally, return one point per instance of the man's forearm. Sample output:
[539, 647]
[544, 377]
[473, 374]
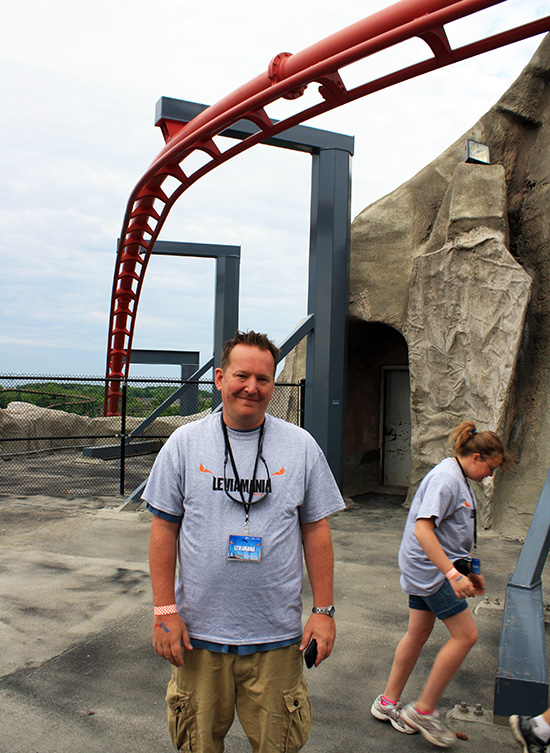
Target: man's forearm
[319, 557]
[169, 630]
[162, 560]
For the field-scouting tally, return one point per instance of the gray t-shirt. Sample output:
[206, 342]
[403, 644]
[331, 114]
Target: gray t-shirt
[241, 602]
[447, 496]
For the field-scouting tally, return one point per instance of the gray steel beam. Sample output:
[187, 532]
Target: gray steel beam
[168, 357]
[521, 685]
[299, 138]
[296, 336]
[112, 451]
[188, 360]
[206, 250]
[179, 393]
[134, 500]
[328, 299]
[534, 551]
[226, 310]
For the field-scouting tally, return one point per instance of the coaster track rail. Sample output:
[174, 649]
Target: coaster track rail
[287, 77]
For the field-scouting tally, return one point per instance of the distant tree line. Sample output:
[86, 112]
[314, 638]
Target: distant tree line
[140, 401]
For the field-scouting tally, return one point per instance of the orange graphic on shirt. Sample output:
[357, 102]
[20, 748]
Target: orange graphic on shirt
[202, 469]
[279, 473]
[467, 504]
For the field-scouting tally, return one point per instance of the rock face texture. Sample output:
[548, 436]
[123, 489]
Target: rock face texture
[465, 318]
[450, 275]
[458, 261]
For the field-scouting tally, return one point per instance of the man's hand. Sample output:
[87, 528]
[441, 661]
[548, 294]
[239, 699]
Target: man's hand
[323, 629]
[169, 635]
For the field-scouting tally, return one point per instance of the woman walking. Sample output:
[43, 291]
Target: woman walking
[438, 574]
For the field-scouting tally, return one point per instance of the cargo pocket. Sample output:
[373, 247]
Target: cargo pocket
[298, 707]
[182, 722]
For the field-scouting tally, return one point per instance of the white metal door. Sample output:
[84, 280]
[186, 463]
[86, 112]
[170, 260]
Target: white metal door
[396, 426]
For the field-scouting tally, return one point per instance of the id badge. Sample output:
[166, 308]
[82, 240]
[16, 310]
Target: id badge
[247, 548]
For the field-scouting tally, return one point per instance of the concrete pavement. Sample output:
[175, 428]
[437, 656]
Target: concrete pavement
[77, 672]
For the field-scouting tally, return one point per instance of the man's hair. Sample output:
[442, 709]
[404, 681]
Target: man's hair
[256, 339]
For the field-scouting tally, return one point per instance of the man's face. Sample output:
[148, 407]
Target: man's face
[246, 385]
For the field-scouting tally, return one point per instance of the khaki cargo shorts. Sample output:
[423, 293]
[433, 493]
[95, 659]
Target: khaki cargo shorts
[267, 688]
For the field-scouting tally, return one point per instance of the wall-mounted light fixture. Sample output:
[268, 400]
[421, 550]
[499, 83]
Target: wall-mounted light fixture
[476, 152]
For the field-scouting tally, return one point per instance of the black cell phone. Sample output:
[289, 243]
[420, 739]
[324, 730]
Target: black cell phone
[310, 654]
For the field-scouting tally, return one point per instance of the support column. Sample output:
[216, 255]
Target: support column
[328, 300]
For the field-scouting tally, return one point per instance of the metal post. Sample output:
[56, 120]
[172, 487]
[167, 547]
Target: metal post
[302, 399]
[226, 309]
[191, 405]
[328, 299]
[534, 551]
[123, 436]
[521, 685]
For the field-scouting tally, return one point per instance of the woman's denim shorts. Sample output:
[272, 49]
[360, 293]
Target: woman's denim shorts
[444, 603]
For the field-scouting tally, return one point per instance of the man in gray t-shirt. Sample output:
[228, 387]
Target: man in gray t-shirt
[236, 497]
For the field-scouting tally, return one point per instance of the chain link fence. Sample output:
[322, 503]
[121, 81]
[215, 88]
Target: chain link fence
[55, 441]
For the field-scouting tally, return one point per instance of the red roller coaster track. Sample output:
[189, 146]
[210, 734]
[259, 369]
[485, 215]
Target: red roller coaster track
[287, 77]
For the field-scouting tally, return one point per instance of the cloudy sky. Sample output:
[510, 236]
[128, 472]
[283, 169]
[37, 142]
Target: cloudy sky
[79, 86]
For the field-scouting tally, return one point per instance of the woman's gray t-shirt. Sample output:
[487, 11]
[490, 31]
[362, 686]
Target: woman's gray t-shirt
[447, 496]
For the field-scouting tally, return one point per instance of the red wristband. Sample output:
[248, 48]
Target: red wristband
[167, 609]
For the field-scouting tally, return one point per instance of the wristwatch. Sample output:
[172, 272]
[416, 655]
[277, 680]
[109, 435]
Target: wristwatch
[329, 611]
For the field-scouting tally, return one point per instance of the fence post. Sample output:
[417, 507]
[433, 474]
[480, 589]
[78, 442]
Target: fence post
[123, 436]
[302, 401]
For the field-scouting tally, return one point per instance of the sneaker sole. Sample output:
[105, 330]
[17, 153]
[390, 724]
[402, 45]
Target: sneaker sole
[427, 735]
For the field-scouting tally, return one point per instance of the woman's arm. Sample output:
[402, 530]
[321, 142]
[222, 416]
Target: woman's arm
[425, 535]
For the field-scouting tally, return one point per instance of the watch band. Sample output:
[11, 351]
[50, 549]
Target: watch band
[329, 611]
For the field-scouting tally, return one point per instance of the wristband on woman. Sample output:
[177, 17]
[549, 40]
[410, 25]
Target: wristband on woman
[452, 572]
[167, 609]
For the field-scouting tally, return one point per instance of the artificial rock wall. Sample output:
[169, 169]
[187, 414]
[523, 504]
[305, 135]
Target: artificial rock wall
[458, 261]
[456, 264]
[465, 317]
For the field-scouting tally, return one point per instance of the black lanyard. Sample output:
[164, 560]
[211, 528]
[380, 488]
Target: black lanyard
[473, 500]
[229, 454]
